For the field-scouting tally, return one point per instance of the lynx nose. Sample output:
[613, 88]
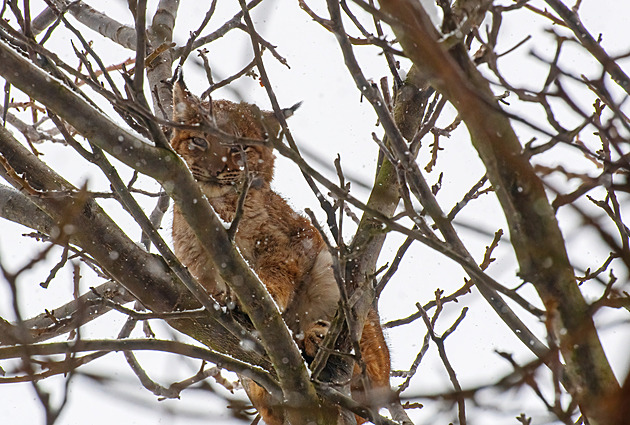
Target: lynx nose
[218, 162]
[222, 159]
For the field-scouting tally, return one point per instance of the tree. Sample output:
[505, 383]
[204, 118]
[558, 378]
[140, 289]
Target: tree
[561, 136]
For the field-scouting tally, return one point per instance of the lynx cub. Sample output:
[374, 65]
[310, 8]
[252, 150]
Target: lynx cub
[284, 248]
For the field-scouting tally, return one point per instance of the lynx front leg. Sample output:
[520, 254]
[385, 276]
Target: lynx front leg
[267, 407]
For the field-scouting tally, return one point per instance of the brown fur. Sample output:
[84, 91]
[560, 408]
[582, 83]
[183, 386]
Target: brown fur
[281, 246]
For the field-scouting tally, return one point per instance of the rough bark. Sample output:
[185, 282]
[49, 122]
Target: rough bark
[534, 231]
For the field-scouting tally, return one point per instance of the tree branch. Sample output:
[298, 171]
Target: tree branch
[181, 186]
[175, 347]
[130, 266]
[534, 231]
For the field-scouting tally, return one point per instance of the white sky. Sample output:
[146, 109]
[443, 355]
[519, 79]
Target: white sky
[332, 121]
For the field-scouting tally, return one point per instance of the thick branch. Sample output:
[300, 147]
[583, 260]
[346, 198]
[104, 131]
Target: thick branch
[16, 207]
[174, 347]
[456, 249]
[160, 66]
[142, 274]
[170, 171]
[69, 316]
[104, 25]
[99, 22]
[534, 231]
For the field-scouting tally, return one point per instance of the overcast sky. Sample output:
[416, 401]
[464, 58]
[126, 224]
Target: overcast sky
[331, 121]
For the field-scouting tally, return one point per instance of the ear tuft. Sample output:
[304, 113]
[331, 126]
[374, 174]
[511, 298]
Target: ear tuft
[178, 75]
[288, 112]
[270, 122]
[184, 103]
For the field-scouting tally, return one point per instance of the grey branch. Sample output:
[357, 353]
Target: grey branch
[94, 232]
[91, 18]
[226, 362]
[166, 167]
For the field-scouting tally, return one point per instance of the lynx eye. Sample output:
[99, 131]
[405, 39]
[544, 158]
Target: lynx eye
[236, 151]
[198, 142]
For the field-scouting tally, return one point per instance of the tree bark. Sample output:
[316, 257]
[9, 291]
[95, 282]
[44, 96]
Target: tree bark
[534, 231]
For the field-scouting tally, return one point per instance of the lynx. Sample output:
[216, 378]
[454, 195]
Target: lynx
[282, 247]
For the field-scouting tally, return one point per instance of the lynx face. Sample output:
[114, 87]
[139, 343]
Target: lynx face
[219, 166]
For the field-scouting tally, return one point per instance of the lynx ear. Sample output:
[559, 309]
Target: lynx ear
[272, 126]
[288, 112]
[185, 104]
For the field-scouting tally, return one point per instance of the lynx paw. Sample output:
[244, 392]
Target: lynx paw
[226, 299]
[314, 336]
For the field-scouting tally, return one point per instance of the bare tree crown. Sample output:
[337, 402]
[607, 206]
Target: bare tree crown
[490, 231]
